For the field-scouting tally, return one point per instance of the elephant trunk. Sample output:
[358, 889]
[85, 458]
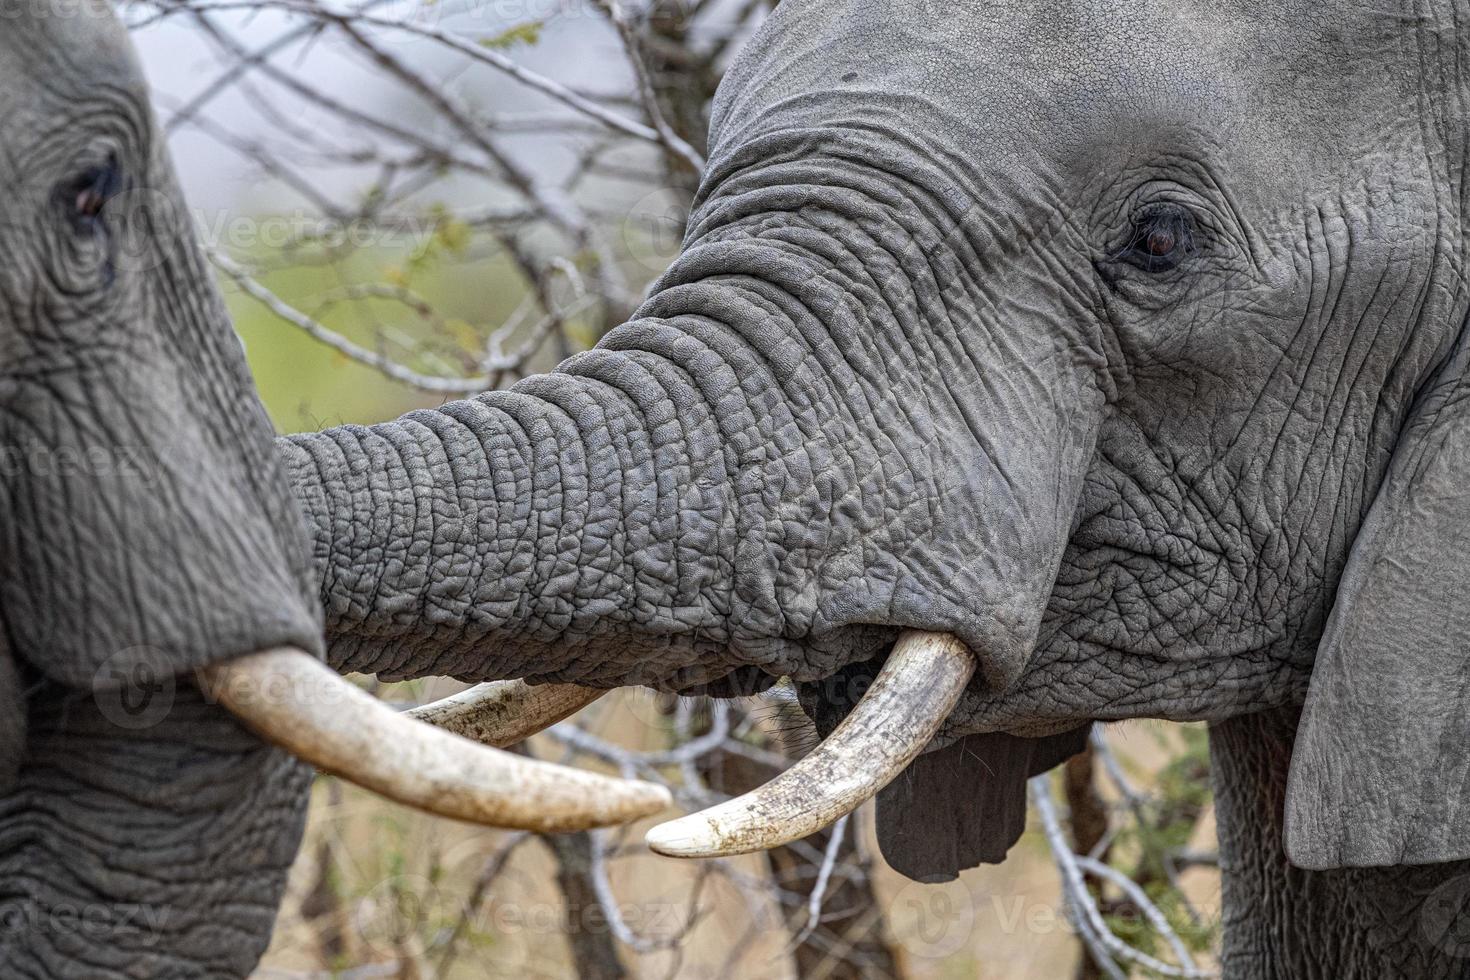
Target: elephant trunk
[828, 423]
[143, 838]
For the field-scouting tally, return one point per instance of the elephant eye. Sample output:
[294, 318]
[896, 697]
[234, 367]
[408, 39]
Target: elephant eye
[84, 196]
[1160, 239]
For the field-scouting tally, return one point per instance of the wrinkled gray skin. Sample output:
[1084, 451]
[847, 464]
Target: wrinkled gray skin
[146, 527]
[913, 368]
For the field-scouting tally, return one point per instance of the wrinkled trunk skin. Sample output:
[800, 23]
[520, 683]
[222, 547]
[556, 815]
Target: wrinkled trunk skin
[151, 841]
[745, 480]
[1283, 923]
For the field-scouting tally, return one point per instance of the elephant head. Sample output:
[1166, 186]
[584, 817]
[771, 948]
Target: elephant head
[1103, 338]
[147, 531]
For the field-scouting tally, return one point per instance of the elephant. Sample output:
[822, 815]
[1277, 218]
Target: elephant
[1025, 366]
[161, 628]
[1039, 365]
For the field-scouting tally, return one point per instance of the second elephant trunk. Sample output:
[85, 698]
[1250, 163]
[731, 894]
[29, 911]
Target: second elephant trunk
[828, 422]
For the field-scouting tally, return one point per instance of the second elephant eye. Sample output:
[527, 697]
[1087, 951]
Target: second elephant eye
[1160, 239]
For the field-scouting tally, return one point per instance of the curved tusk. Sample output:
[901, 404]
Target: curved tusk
[912, 695]
[505, 712]
[295, 701]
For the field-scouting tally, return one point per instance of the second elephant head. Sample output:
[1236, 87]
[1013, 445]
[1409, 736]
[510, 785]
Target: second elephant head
[1131, 354]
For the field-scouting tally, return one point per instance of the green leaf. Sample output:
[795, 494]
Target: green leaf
[528, 33]
[454, 235]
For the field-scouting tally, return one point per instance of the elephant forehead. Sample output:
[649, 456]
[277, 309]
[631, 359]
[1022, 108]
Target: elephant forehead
[53, 50]
[987, 77]
[67, 73]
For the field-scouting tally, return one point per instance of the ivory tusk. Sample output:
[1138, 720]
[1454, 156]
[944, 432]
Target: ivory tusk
[298, 703]
[505, 712]
[910, 698]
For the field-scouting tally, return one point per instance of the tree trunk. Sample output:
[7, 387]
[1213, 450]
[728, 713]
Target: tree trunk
[593, 948]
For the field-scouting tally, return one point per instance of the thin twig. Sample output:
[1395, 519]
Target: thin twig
[1150, 911]
[470, 49]
[819, 890]
[1081, 908]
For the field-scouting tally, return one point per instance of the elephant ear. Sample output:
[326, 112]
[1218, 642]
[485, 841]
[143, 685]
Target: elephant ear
[1380, 773]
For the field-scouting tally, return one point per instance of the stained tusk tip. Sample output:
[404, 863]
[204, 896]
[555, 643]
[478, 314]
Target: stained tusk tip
[689, 837]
